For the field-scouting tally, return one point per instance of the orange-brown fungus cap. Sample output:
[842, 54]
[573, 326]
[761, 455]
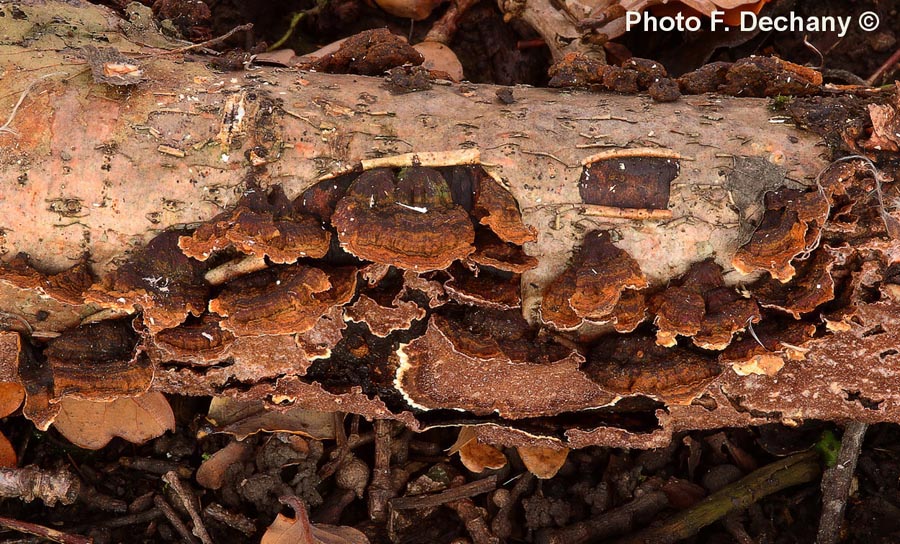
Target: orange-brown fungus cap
[555, 308]
[461, 366]
[790, 226]
[812, 286]
[700, 306]
[99, 361]
[411, 223]
[67, 286]
[160, 280]
[602, 273]
[496, 208]
[261, 225]
[284, 301]
[382, 320]
[635, 364]
[200, 343]
[493, 252]
[483, 289]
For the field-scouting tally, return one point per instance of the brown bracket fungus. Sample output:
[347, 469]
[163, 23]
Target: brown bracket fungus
[410, 222]
[791, 225]
[496, 208]
[812, 286]
[453, 366]
[159, 280]
[636, 365]
[591, 288]
[67, 287]
[383, 320]
[262, 225]
[703, 308]
[286, 300]
[201, 343]
[483, 289]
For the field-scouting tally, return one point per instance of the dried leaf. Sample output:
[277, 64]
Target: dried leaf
[211, 473]
[299, 530]
[91, 425]
[244, 418]
[474, 455]
[11, 396]
[543, 462]
[8, 456]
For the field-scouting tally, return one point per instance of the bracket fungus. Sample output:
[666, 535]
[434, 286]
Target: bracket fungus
[790, 226]
[160, 280]
[262, 225]
[410, 222]
[476, 367]
[383, 320]
[282, 301]
[591, 288]
[203, 342]
[812, 286]
[703, 308]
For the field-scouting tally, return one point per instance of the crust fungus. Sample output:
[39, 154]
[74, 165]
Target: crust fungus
[701, 307]
[383, 320]
[260, 225]
[99, 361]
[636, 365]
[410, 222]
[288, 300]
[466, 367]
[633, 179]
[592, 287]
[790, 226]
[159, 280]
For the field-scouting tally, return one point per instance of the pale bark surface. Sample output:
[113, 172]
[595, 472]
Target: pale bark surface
[101, 170]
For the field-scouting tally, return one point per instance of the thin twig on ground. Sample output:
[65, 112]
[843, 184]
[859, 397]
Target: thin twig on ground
[836, 483]
[189, 502]
[43, 532]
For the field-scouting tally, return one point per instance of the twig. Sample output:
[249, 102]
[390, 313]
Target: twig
[235, 520]
[502, 524]
[174, 520]
[12, 115]
[380, 488]
[43, 532]
[207, 43]
[189, 501]
[615, 522]
[892, 60]
[453, 494]
[473, 517]
[836, 483]
[790, 471]
[33, 482]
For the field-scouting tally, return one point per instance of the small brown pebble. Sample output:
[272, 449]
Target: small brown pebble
[664, 90]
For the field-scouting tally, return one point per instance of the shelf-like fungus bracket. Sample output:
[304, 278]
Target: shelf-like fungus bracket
[383, 320]
[410, 223]
[791, 226]
[159, 280]
[261, 225]
[812, 286]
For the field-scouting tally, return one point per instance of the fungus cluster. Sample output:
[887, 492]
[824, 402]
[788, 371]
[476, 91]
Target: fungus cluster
[397, 292]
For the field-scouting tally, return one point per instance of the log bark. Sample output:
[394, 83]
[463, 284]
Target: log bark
[99, 169]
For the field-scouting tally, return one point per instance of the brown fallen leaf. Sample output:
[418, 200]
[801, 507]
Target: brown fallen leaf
[299, 530]
[543, 462]
[244, 418]
[91, 424]
[474, 455]
[11, 397]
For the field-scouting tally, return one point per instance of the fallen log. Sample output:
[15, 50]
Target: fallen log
[623, 269]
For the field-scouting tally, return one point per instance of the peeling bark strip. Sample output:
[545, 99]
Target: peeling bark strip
[438, 258]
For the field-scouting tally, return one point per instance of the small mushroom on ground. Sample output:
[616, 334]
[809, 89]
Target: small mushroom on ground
[410, 222]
